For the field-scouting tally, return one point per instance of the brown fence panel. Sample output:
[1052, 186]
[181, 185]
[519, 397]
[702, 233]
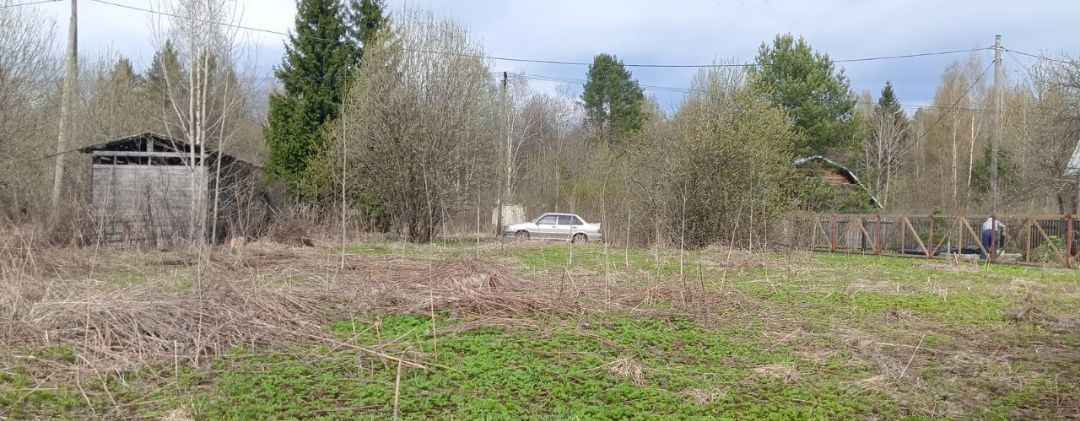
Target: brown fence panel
[1047, 239]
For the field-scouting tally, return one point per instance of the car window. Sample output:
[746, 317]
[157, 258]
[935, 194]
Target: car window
[547, 220]
[568, 220]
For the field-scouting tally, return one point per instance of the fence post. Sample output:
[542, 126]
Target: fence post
[832, 235]
[903, 233]
[993, 238]
[1068, 240]
[1027, 247]
[930, 240]
[877, 234]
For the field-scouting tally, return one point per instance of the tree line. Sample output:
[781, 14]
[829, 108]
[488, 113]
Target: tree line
[399, 120]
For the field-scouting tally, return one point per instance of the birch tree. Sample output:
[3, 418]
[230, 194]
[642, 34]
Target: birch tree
[887, 145]
[204, 35]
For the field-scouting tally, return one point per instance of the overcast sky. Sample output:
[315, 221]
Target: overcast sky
[682, 32]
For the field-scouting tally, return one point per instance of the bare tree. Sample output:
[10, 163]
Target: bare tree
[199, 100]
[887, 146]
[28, 76]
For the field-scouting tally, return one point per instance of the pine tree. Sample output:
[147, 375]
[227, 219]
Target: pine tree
[313, 76]
[613, 99]
[817, 97]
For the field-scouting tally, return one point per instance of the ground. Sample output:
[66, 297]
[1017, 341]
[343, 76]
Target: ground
[544, 330]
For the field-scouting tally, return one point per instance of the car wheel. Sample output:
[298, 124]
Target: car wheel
[521, 235]
[579, 238]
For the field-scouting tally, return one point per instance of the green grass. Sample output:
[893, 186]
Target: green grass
[591, 257]
[563, 372]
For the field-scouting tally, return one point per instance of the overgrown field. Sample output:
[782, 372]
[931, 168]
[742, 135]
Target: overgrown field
[462, 330]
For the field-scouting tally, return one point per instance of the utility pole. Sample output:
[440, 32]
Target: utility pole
[995, 140]
[71, 72]
[499, 202]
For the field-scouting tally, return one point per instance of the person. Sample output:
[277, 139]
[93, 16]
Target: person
[991, 228]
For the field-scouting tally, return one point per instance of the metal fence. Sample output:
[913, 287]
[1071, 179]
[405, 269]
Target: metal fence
[1026, 238]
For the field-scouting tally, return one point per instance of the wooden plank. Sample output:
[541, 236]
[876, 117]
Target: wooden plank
[1027, 254]
[1047, 238]
[947, 235]
[978, 238]
[862, 228]
[915, 235]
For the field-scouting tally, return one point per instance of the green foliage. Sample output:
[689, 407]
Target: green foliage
[1050, 251]
[313, 77]
[570, 372]
[167, 78]
[1008, 173]
[815, 195]
[419, 150]
[727, 169]
[888, 104]
[816, 96]
[613, 100]
[165, 68]
[366, 18]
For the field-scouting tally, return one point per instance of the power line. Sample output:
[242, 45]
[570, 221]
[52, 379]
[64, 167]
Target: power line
[938, 53]
[672, 89]
[722, 65]
[545, 61]
[230, 25]
[1040, 57]
[6, 6]
[963, 95]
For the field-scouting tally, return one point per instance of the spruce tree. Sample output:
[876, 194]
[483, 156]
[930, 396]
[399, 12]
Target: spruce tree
[313, 77]
[889, 105]
[166, 81]
[366, 18]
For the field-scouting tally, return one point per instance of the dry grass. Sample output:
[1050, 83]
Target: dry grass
[120, 310]
[174, 306]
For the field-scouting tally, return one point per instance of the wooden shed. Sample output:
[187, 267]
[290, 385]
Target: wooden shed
[839, 178]
[154, 190]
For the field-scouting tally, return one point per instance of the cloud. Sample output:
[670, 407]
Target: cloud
[687, 31]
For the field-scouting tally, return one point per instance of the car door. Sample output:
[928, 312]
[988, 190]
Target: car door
[567, 225]
[546, 227]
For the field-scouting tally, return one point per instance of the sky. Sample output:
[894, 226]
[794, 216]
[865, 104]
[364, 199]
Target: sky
[676, 32]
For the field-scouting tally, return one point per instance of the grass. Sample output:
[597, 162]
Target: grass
[738, 336]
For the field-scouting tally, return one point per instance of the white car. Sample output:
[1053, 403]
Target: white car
[555, 226]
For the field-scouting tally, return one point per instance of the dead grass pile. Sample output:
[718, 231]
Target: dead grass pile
[147, 323]
[628, 368]
[180, 307]
[782, 372]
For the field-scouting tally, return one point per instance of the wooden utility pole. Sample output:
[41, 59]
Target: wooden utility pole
[999, 106]
[499, 202]
[71, 72]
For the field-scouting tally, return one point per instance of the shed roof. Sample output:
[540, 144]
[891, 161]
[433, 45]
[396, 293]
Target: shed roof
[849, 174]
[150, 141]
[1074, 163]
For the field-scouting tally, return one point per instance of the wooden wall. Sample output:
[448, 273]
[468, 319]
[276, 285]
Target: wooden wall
[149, 204]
